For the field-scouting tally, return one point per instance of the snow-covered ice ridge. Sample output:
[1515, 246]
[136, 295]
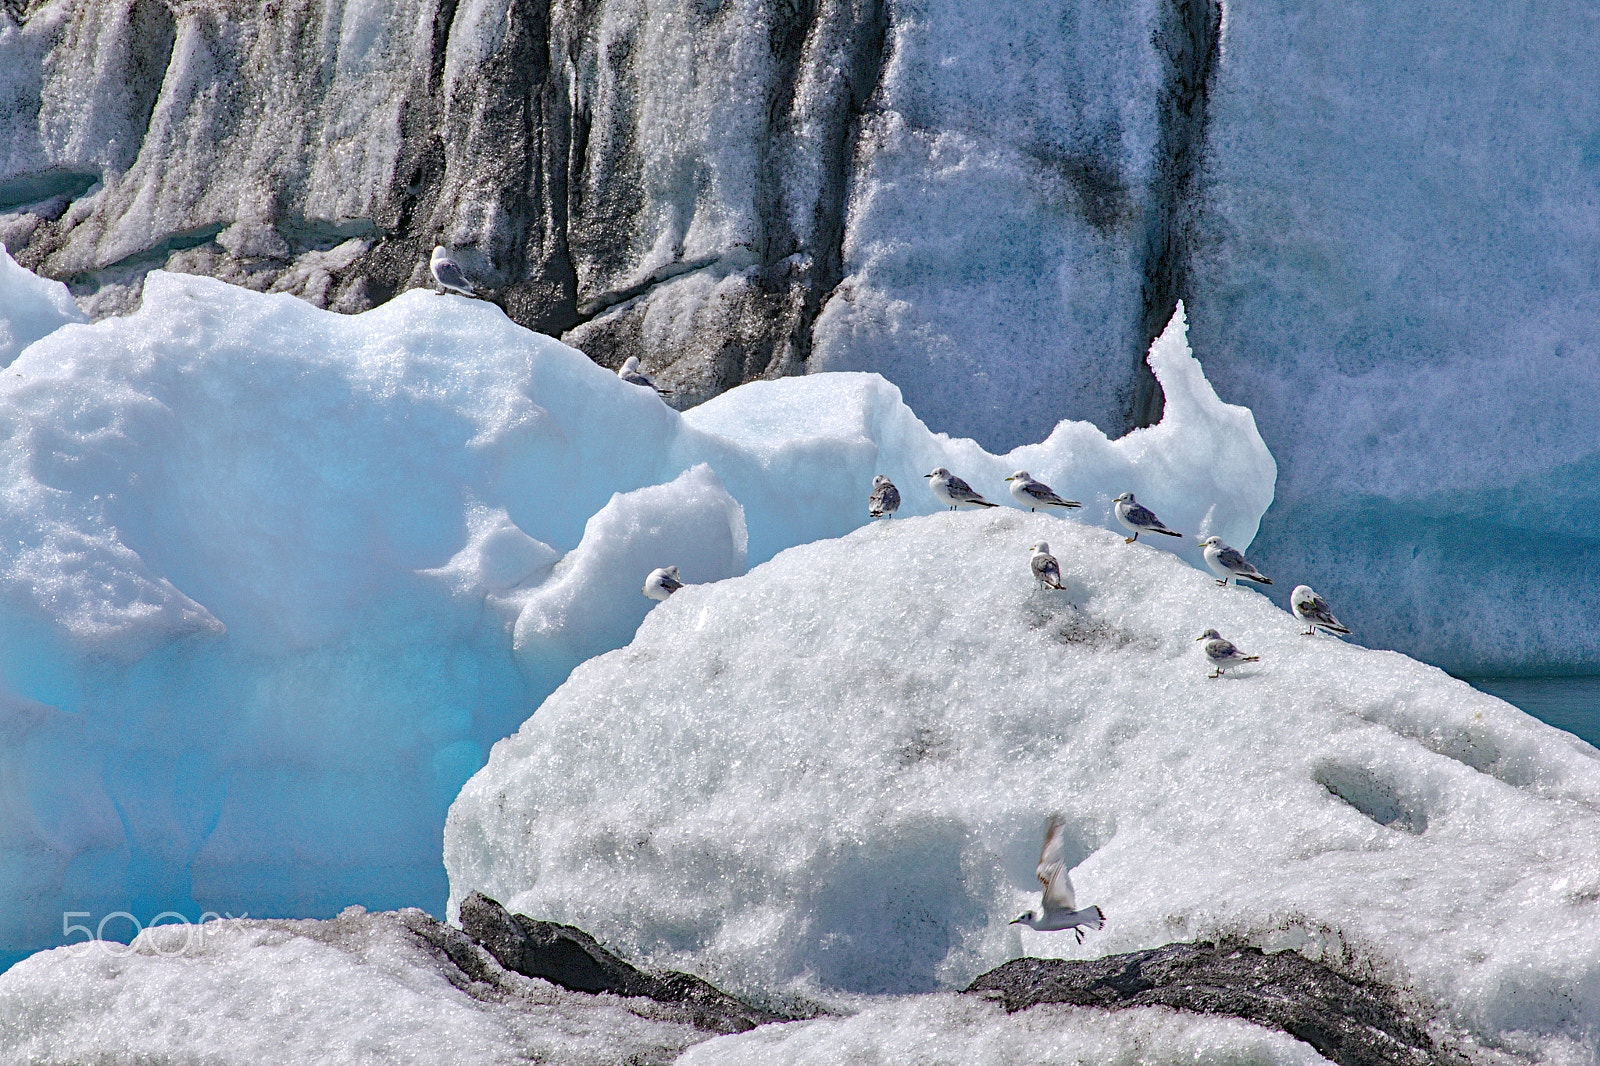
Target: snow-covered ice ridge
[272, 579]
[832, 773]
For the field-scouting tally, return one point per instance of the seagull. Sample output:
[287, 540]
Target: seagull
[629, 371]
[1227, 563]
[1313, 611]
[1045, 567]
[1222, 652]
[885, 498]
[1136, 518]
[662, 583]
[448, 274]
[1033, 493]
[1058, 909]
[953, 490]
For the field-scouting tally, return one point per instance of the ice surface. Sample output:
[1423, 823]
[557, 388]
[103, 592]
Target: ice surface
[1396, 272]
[30, 308]
[832, 774]
[273, 580]
[1004, 169]
[359, 989]
[962, 1031]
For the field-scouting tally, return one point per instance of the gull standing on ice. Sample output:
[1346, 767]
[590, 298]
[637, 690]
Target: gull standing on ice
[448, 274]
[1137, 518]
[1033, 493]
[1045, 567]
[1058, 909]
[629, 371]
[1222, 653]
[954, 491]
[1227, 563]
[662, 583]
[1313, 611]
[885, 498]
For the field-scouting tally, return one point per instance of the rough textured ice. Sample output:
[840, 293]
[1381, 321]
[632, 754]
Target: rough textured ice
[273, 580]
[833, 772]
[960, 1031]
[362, 988]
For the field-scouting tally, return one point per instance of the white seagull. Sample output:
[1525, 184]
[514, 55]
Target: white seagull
[1045, 567]
[662, 583]
[1227, 563]
[1136, 518]
[629, 371]
[1058, 909]
[1222, 653]
[448, 274]
[1313, 611]
[953, 490]
[885, 498]
[1033, 493]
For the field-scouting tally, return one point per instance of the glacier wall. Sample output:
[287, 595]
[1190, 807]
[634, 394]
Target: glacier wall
[1381, 220]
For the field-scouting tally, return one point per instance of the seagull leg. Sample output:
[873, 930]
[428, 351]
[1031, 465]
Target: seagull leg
[1130, 540]
[1218, 673]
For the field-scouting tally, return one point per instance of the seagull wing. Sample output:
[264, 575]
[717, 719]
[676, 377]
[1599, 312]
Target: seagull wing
[1046, 567]
[670, 582]
[1317, 611]
[1058, 894]
[449, 275]
[1045, 494]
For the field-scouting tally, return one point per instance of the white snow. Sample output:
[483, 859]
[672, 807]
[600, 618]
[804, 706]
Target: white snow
[273, 580]
[358, 989]
[963, 1031]
[832, 774]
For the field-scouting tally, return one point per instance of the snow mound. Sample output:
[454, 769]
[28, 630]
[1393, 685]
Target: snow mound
[273, 579]
[362, 988]
[832, 774]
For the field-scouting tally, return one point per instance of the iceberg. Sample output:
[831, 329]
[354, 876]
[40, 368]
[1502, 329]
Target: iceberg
[829, 776]
[273, 579]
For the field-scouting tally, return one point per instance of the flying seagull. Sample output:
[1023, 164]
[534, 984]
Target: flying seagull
[448, 274]
[1227, 563]
[1058, 909]
[1033, 493]
[662, 583]
[1313, 611]
[1045, 567]
[1136, 518]
[1222, 653]
[953, 490]
[885, 498]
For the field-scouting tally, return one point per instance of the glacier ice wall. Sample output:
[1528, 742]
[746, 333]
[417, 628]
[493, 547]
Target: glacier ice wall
[273, 579]
[1397, 270]
[1381, 220]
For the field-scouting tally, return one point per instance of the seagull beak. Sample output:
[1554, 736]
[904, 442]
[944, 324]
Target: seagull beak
[1011, 479]
[927, 475]
[1202, 636]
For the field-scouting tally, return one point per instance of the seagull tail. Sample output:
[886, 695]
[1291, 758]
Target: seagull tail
[985, 503]
[1251, 659]
[1168, 532]
[1334, 627]
[1099, 919]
